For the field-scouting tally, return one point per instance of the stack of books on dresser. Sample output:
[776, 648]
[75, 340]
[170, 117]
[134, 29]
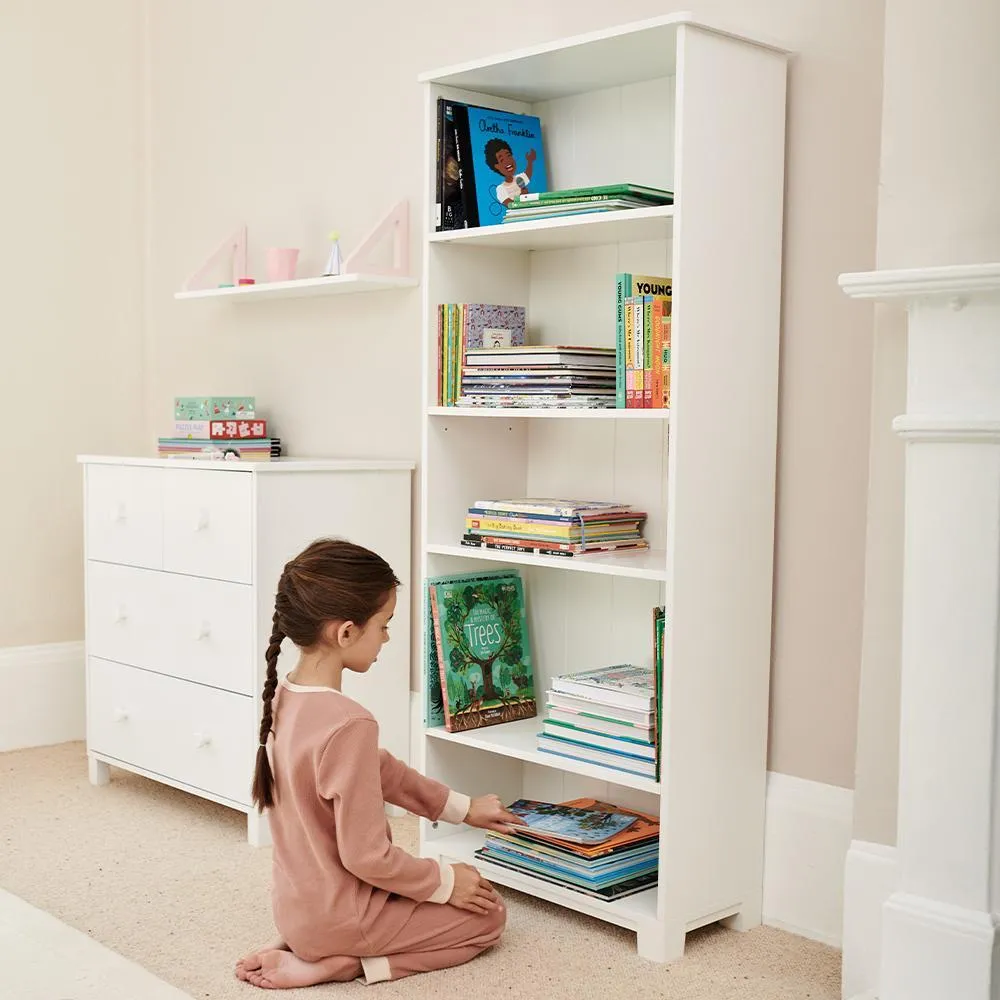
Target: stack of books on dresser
[596, 848]
[553, 527]
[219, 427]
[606, 717]
[539, 376]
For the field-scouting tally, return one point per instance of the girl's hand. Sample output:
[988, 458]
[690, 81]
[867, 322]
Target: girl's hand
[472, 892]
[488, 813]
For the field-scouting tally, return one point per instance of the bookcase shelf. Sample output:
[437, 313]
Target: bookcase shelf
[593, 229]
[678, 104]
[517, 740]
[648, 565]
[546, 413]
[633, 912]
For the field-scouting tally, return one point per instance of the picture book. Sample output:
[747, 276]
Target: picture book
[449, 210]
[622, 684]
[433, 699]
[483, 653]
[628, 286]
[551, 820]
[507, 159]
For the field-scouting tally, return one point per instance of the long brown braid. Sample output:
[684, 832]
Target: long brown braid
[330, 581]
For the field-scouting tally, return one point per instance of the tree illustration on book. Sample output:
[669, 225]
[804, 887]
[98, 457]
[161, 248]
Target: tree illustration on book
[488, 676]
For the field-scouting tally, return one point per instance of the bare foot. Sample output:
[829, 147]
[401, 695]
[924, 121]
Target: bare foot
[251, 962]
[281, 970]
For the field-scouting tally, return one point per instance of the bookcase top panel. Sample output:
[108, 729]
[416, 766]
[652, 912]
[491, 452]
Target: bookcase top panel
[611, 57]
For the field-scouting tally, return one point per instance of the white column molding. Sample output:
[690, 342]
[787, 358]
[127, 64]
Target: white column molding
[939, 933]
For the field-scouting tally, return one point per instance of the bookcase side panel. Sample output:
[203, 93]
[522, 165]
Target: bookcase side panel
[720, 539]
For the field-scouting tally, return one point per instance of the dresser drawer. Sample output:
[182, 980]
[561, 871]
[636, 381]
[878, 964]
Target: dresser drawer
[207, 523]
[188, 733]
[124, 515]
[188, 627]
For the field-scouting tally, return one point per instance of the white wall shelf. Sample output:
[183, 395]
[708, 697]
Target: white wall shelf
[338, 284]
[677, 104]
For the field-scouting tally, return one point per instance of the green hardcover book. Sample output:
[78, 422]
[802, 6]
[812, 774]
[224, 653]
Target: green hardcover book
[659, 627]
[602, 192]
[433, 700]
[484, 657]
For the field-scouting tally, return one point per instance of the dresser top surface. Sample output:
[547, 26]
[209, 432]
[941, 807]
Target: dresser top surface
[257, 468]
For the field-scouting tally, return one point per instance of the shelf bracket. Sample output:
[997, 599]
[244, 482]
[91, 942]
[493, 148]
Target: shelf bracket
[395, 225]
[235, 247]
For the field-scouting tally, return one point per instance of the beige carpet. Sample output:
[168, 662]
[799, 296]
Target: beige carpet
[168, 881]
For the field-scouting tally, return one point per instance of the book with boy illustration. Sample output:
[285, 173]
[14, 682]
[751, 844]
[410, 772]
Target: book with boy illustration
[499, 155]
[479, 670]
[623, 862]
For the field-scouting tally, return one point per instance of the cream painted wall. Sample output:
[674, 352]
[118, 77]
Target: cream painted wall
[939, 203]
[304, 116]
[71, 299]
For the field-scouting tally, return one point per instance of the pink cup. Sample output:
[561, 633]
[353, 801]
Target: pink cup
[281, 263]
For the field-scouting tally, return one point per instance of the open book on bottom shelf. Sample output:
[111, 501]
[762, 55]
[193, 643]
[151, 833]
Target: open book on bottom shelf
[624, 863]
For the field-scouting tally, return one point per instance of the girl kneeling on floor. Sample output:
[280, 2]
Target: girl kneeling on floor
[347, 902]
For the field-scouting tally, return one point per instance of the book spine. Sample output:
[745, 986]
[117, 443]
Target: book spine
[656, 357]
[439, 168]
[621, 281]
[436, 617]
[647, 352]
[466, 174]
[666, 362]
[640, 350]
[629, 353]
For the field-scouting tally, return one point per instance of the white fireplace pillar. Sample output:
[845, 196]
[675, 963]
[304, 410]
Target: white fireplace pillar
[939, 929]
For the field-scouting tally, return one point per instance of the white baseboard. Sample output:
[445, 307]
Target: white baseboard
[807, 832]
[50, 694]
[871, 875]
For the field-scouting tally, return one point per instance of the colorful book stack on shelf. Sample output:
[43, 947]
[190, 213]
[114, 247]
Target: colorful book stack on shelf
[227, 428]
[468, 326]
[593, 847]
[553, 527]
[642, 341]
[577, 201]
[541, 376]
[478, 656]
[609, 716]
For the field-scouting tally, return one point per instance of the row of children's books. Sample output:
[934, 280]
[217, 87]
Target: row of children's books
[596, 848]
[477, 330]
[642, 341]
[584, 200]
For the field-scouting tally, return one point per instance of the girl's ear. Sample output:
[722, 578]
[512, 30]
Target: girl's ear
[344, 634]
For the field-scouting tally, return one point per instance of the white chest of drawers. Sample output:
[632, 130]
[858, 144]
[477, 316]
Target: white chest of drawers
[182, 561]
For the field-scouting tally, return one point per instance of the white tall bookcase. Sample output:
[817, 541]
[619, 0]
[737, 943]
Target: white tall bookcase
[680, 104]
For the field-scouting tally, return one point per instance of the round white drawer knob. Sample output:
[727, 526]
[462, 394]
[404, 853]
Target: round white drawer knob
[204, 630]
[202, 740]
[202, 523]
[120, 614]
[119, 715]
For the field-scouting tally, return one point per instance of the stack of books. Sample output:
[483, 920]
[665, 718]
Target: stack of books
[219, 427]
[607, 716]
[468, 326]
[552, 527]
[602, 850]
[576, 201]
[545, 376]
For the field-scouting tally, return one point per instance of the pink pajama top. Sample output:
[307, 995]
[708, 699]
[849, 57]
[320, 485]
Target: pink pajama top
[340, 886]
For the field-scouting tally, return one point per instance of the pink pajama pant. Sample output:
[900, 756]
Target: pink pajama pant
[435, 937]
